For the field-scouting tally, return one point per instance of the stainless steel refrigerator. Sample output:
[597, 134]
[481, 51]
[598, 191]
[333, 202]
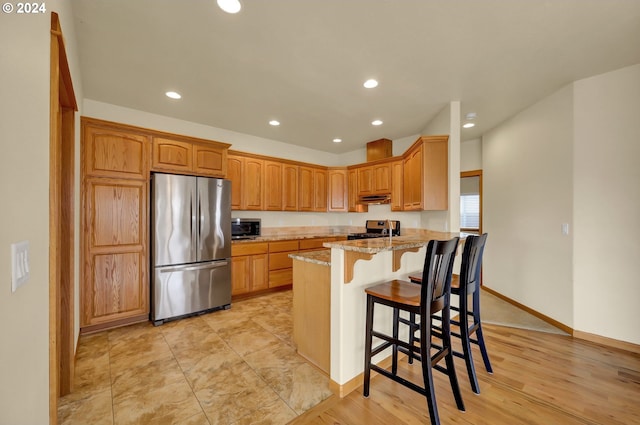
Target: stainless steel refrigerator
[191, 245]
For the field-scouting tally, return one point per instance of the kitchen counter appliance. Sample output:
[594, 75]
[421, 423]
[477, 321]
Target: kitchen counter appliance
[191, 245]
[377, 229]
[245, 228]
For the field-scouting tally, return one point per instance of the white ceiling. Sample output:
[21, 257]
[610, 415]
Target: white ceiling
[303, 62]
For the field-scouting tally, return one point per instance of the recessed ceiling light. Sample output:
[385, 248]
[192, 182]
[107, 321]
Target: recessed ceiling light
[274, 122]
[371, 83]
[468, 125]
[471, 115]
[376, 122]
[337, 140]
[230, 6]
[173, 95]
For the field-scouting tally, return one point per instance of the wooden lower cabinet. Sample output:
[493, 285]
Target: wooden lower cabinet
[249, 268]
[258, 266]
[280, 265]
[115, 285]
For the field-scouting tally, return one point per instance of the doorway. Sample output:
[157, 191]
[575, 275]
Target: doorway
[471, 202]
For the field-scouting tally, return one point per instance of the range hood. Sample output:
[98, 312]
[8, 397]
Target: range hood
[384, 198]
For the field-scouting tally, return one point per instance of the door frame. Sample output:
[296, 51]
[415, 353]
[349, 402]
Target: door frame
[62, 108]
[475, 173]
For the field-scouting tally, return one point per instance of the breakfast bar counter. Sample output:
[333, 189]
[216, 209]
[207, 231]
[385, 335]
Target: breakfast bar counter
[334, 297]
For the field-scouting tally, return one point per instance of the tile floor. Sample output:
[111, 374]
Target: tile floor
[228, 367]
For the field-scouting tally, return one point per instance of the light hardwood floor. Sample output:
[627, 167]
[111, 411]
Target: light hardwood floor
[539, 378]
[239, 367]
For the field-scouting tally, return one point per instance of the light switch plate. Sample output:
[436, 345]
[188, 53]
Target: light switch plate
[19, 264]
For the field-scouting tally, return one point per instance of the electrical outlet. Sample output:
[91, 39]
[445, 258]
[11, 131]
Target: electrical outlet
[19, 264]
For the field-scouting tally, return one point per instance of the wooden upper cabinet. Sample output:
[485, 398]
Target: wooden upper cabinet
[172, 155]
[209, 160]
[112, 152]
[189, 157]
[425, 174]
[273, 188]
[253, 184]
[381, 175]
[412, 179]
[338, 187]
[397, 203]
[234, 173]
[321, 192]
[365, 180]
[289, 187]
[312, 189]
[247, 182]
[374, 179]
[305, 189]
[436, 173]
[352, 192]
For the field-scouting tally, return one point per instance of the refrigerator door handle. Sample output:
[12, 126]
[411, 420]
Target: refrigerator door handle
[194, 225]
[206, 266]
[200, 219]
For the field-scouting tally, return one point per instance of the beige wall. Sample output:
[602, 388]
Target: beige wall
[607, 204]
[471, 155]
[527, 179]
[24, 189]
[571, 158]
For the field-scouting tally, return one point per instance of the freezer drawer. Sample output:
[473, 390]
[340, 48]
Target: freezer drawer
[192, 288]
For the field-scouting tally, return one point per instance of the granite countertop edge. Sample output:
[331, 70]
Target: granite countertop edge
[375, 245]
[321, 257]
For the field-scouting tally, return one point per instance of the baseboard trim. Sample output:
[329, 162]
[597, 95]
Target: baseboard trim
[531, 311]
[598, 339]
[610, 342]
[343, 390]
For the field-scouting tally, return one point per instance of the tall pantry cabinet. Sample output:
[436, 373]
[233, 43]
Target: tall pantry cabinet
[114, 254]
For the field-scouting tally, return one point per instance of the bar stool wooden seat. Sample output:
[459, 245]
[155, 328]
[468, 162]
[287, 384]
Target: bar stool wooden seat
[469, 323]
[423, 301]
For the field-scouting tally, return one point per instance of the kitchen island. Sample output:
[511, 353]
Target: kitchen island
[352, 267]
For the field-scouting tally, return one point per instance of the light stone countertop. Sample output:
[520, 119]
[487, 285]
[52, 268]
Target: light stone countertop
[275, 238]
[322, 257]
[375, 245]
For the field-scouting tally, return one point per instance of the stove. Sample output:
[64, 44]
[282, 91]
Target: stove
[377, 229]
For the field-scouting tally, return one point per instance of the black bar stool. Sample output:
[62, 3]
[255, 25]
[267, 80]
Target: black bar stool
[424, 301]
[469, 322]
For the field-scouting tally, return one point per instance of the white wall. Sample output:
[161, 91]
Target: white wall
[471, 155]
[528, 191]
[607, 204]
[24, 188]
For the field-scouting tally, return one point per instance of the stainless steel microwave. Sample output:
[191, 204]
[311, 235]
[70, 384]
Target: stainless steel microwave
[245, 228]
